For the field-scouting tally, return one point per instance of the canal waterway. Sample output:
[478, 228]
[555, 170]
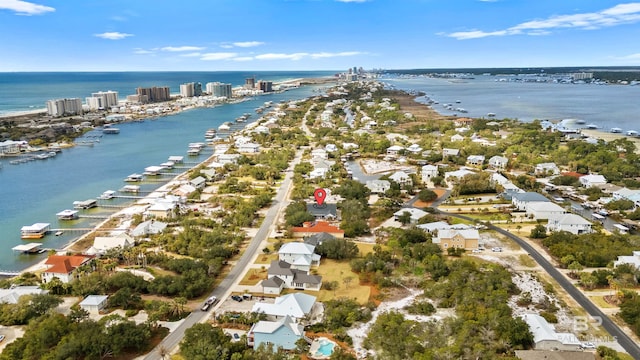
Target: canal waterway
[33, 192]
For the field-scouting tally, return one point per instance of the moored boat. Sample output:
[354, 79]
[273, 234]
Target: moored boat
[616, 130]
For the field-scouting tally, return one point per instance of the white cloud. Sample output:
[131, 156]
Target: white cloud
[113, 35]
[617, 15]
[181, 48]
[633, 57]
[226, 46]
[218, 56]
[242, 58]
[193, 54]
[139, 51]
[330, 55]
[246, 44]
[280, 56]
[24, 7]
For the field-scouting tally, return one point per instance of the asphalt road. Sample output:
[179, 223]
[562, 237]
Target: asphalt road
[172, 340]
[614, 330]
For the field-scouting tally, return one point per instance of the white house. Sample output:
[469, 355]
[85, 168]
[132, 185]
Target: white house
[541, 210]
[458, 174]
[545, 336]
[289, 278]
[296, 305]
[547, 169]
[149, 227]
[13, 294]
[249, 148]
[318, 173]
[457, 137]
[428, 172]
[394, 150]
[350, 146]
[498, 162]
[475, 160]
[450, 152]
[331, 147]
[592, 180]
[319, 153]
[415, 214]
[283, 333]
[520, 200]
[94, 303]
[198, 183]
[228, 158]
[102, 244]
[634, 260]
[414, 149]
[572, 223]
[378, 186]
[301, 256]
[401, 178]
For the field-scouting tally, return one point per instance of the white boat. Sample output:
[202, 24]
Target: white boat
[59, 232]
[592, 126]
[632, 133]
[134, 178]
[111, 131]
[211, 133]
[615, 130]
[109, 194]
[42, 156]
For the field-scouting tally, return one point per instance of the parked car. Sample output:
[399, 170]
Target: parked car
[496, 249]
[236, 298]
[1, 338]
[588, 346]
[236, 337]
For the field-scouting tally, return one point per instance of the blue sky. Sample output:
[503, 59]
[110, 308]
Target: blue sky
[212, 35]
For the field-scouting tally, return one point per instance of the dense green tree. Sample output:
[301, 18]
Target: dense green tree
[337, 249]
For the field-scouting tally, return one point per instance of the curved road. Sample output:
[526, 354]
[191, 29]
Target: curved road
[614, 330]
[172, 340]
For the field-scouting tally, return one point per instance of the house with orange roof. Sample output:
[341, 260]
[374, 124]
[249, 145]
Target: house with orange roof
[312, 228]
[63, 267]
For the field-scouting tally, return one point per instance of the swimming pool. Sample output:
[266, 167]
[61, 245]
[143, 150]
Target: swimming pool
[325, 348]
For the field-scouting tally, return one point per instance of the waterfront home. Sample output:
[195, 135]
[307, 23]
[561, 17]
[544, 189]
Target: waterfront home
[149, 227]
[542, 210]
[402, 178]
[228, 158]
[463, 122]
[634, 260]
[378, 186]
[283, 334]
[102, 244]
[546, 169]
[13, 294]
[572, 223]
[165, 208]
[592, 180]
[199, 183]
[289, 277]
[249, 148]
[63, 267]
[296, 305]
[545, 336]
[414, 214]
[498, 162]
[467, 239]
[300, 255]
[35, 231]
[521, 200]
[325, 211]
[94, 303]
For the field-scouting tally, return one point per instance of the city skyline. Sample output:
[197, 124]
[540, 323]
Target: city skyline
[225, 35]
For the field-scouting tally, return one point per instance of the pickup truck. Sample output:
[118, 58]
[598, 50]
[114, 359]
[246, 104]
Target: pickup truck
[209, 303]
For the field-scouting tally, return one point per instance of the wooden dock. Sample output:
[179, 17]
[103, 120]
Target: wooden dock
[98, 217]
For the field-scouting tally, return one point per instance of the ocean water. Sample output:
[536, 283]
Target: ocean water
[35, 191]
[606, 106]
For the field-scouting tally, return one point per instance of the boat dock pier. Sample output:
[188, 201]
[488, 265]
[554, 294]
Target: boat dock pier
[127, 197]
[114, 206]
[97, 217]
[9, 273]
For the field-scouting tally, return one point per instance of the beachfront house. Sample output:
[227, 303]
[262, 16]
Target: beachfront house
[402, 178]
[475, 160]
[64, 267]
[281, 334]
[199, 182]
[166, 208]
[248, 148]
[102, 244]
[149, 227]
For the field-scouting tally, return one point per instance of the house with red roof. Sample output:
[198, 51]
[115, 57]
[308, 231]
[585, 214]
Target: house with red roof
[311, 228]
[64, 267]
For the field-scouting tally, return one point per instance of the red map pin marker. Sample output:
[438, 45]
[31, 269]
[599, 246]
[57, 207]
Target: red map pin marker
[320, 195]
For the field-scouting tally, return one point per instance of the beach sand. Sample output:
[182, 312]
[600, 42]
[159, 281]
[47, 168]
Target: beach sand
[607, 136]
